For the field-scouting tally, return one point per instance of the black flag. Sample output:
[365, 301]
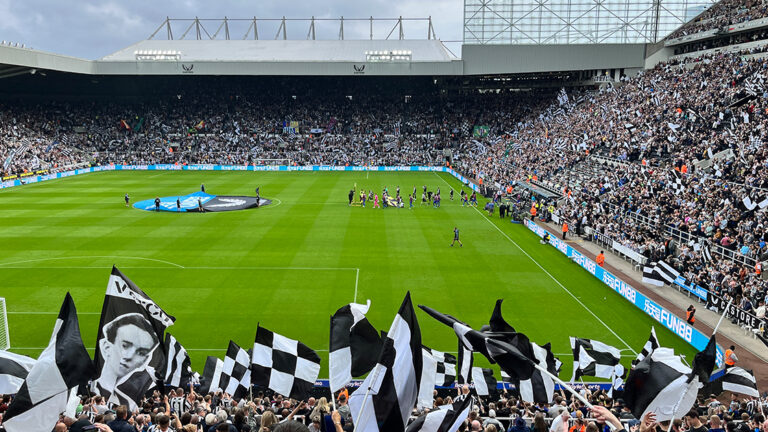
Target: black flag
[130, 355]
[497, 322]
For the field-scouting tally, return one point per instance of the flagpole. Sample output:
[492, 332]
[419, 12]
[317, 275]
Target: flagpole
[330, 375]
[722, 316]
[563, 385]
[365, 399]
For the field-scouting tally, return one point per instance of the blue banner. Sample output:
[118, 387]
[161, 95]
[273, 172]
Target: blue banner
[692, 288]
[664, 317]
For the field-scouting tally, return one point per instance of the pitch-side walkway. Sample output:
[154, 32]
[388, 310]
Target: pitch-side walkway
[752, 353]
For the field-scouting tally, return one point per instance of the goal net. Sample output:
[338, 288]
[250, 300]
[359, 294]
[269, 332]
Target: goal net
[5, 339]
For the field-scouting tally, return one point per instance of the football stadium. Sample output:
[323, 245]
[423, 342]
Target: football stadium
[556, 223]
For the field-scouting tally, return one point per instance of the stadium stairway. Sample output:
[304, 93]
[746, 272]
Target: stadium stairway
[752, 353]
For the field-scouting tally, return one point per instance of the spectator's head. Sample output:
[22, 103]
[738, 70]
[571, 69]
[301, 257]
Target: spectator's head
[221, 416]
[492, 413]
[476, 426]
[291, 426]
[210, 419]
[121, 412]
[163, 421]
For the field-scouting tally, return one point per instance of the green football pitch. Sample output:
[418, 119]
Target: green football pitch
[290, 265]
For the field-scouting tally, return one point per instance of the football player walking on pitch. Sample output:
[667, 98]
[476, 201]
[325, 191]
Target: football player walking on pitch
[456, 237]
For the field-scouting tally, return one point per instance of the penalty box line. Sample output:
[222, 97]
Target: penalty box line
[354, 298]
[547, 273]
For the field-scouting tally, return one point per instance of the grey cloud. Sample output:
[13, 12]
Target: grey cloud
[92, 29]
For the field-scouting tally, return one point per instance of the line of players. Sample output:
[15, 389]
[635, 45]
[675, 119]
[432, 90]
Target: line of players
[427, 197]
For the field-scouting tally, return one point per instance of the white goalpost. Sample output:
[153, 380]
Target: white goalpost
[5, 338]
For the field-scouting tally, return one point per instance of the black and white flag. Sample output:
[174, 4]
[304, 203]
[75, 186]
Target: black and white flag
[428, 379]
[443, 420]
[63, 365]
[471, 339]
[652, 344]
[13, 370]
[594, 358]
[677, 182]
[497, 323]
[484, 380]
[465, 359]
[446, 367]
[384, 401]
[178, 369]
[658, 273]
[660, 384]
[235, 377]
[540, 387]
[514, 355]
[741, 381]
[284, 365]
[650, 276]
[130, 355]
[354, 347]
[706, 252]
[211, 379]
[667, 272]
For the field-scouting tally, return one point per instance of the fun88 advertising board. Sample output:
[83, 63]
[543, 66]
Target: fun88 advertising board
[664, 317]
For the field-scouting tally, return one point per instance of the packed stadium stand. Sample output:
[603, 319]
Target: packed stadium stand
[669, 163]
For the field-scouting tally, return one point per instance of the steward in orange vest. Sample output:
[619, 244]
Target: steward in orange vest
[689, 315]
[600, 259]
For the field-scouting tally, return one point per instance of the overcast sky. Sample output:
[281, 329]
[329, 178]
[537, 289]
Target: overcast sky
[94, 28]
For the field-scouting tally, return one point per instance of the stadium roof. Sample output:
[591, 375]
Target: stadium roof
[285, 50]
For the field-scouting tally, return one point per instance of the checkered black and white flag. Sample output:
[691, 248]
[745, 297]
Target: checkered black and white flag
[284, 365]
[63, 365]
[446, 367]
[677, 184]
[13, 369]
[235, 372]
[178, 370]
[594, 358]
[386, 398]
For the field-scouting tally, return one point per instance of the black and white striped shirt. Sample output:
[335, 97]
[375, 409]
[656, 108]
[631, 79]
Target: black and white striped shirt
[180, 405]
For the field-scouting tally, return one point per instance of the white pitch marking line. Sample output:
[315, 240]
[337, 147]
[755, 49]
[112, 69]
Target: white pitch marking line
[92, 256]
[48, 313]
[186, 268]
[548, 273]
[357, 278]
[188, 349]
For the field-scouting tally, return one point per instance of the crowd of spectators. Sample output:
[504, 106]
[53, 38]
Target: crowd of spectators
[187, 411]
[722, 14]
[661, 130]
